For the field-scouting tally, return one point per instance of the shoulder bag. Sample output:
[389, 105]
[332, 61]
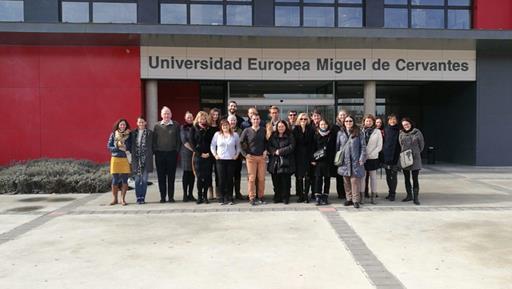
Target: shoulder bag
[406, 159]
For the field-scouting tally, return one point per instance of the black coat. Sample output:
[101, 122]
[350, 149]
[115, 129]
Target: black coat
[284, 163]
[323, 165]
[200, 139]
[303, 149]
[391, 147]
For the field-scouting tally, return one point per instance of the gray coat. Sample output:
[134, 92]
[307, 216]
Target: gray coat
[185, 153]
[412, 140]
[355, 152]
[149, 152]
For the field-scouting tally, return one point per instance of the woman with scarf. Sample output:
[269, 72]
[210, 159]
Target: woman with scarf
[373, 140]
[411, 138]
[214, 122]
[142, 158]
[350, 141]
[281, 164]
[303, 134]
[321, 160]
[200, 139]
[118, 144]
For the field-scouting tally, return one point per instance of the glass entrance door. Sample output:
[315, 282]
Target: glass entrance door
[301, 96]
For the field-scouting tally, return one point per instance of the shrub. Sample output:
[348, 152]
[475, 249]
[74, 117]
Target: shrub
[59, 176]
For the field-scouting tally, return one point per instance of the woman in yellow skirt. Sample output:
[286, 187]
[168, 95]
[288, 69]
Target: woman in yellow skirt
[119, 143]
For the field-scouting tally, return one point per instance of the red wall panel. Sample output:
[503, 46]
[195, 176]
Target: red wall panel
[75, 96]
[492, 14]
[180, 96]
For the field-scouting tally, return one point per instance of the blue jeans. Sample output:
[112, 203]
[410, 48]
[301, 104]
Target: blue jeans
[141, 186]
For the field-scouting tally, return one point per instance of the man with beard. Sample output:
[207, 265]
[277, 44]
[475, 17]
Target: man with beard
[232, 110]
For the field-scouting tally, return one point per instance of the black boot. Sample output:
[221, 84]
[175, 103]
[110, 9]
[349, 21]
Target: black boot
[409, 194]
[391, 197]
[372, 198]
[416, 192]
[318, 199]
[325, 199]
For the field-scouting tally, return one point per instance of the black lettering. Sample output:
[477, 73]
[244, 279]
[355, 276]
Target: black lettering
[400, 64]
[155, 64]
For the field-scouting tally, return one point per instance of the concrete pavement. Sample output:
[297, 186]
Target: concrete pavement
[458, 238]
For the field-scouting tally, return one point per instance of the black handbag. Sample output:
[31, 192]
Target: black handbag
[319, 154]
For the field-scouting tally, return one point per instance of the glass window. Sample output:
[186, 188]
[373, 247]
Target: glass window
[104, 12]
[173, 13]
[11, 11]
[206, 14]
[318, 1]
[239, 15]
[458, 19]
[351, 1]
[350, 17]
[287, 16]
[459, 2]
[289, 1]
[77, 12]
[319, 16]
[396, 18]
[428, 2]
[396, 2]
[427, 18]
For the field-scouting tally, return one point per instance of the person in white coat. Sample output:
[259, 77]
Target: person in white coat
[373, 139]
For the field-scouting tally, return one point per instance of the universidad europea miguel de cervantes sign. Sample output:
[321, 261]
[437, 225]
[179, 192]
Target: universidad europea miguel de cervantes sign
[293, 64]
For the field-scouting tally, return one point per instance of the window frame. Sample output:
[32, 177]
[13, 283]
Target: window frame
[224, 4]
[445, 7]
[91, 16]
[335, 5]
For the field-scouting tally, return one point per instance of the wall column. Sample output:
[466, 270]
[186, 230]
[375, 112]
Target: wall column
[151, 102]
[370, 97]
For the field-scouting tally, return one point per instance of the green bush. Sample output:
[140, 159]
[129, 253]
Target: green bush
[59, 176]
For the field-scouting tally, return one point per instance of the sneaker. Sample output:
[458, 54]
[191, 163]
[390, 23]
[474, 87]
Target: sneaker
[262, 201]
[356, 205]
[253, 202]
[162, 201]
[231, 203]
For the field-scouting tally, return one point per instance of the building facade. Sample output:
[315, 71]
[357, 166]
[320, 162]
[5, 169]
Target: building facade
[70, 68]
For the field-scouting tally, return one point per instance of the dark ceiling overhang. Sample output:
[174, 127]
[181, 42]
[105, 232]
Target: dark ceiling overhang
[254, 37]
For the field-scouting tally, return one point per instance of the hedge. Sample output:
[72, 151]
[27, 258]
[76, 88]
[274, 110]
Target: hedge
[59, 176]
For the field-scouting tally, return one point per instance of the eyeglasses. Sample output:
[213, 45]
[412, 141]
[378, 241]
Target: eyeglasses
[292, 114]
[348, 121]
[303, 119]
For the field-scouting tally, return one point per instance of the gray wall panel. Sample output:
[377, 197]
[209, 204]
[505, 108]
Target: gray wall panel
[46, 11]
[148, 12]
[375, 13]
[494, 108]
[263, 13]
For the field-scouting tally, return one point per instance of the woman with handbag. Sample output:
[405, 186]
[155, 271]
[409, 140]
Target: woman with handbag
[281, 165]
[411, 145]
[303, 134]
[351, 148]
[373, 140]
[119, 143]
[322, 158]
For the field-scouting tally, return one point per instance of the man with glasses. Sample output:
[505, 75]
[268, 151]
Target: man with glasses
[292, 119]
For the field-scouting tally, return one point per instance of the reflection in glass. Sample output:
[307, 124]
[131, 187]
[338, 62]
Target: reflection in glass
[350, 17]
[239, 15]
[11, 11]
[459, 2]
[395, 18]
[396, 2]
[318, 1]
[173, 13]
[458, 19]
[351, 1]
[77, 12]
[206, 14]
[114, 12]
[319, 16]
[287, 16]
[427, 18]
[427, 2]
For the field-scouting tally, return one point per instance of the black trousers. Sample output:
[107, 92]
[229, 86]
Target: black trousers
[415, 183]
[226, 171]
[391, 180]
[188, 183]
[340, 188]
[322, 181]
[166, 172]
[237, 177]
[282, 185]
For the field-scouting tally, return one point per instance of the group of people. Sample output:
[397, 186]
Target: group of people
[308, 147]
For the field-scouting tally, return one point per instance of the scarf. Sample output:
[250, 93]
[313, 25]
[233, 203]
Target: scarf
[367, 133]
[141, 152]
[323, 133]
[121, 137]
